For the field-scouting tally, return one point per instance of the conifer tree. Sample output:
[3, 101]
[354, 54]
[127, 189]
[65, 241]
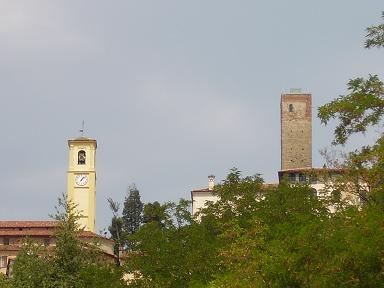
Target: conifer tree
[132, 211]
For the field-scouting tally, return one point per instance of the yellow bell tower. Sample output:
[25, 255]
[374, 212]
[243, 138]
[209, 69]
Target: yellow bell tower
[82, 179]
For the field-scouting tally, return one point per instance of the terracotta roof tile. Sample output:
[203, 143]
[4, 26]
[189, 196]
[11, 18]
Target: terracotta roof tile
[28, 224]
[38, 228]
[29, 232]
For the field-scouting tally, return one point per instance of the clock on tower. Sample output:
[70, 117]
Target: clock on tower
[82, 179]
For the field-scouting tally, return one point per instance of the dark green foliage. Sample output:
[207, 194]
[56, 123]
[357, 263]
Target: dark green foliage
[116, 230]
[4, 281]
[133, 211]
[172, 250]
[155, 212]
[101, 276]
[117, 234]
[260, 237]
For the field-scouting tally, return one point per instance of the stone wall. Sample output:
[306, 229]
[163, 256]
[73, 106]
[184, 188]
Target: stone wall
[296, 131]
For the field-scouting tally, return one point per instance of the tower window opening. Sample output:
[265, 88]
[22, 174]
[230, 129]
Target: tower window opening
[81, 156]
[302, 178]
[290, 107]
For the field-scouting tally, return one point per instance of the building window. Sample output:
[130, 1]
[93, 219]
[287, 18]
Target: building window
[313, 180]
[81, 157]
[302, 178]
[5, 241]
[292, 177]
[47, 241]
[290, 107]
[3, 261]
[10, 267]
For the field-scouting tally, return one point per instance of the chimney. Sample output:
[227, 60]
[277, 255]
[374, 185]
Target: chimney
[211, 182]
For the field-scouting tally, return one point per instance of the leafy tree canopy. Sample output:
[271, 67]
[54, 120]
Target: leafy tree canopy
[71, 263]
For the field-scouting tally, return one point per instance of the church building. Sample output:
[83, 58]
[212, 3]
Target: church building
[81, 191]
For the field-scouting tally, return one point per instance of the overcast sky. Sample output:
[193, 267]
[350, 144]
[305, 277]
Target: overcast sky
[172, 90]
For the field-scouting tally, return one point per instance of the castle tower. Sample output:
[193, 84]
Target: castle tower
[296, 130]
[82, 179]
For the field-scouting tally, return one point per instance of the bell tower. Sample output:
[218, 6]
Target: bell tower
[81, 177]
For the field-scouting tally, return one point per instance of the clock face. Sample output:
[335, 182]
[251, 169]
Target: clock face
[81, 179]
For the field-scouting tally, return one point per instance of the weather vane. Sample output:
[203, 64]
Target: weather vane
[82, 129]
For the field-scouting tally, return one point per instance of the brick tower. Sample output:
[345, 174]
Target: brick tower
[296, 130]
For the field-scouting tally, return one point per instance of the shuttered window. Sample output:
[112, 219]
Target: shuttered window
[3, 261]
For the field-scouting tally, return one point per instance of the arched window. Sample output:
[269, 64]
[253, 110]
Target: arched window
[81, 157]
[290, 108]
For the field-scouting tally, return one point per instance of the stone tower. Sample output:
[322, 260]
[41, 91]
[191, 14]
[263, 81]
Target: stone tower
[296, 130]
[82, 179]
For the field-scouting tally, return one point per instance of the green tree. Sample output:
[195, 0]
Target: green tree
[133, 211]
[72, 263]
[4, 281]
[375, 35]
[33, 267]
[171, 249]
[268, 237]
[363, 106]
[259, 236]
[116, 230]
[159, 213]
[356, 112]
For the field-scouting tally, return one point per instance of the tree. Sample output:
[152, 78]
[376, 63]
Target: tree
[267, 236]
[133, 210]
[71, 264]
[33, 267]
[4, 281]
[172, 250]
[289, 238]
[375, 35]
[356, 112]
[158, 213]
[116, 229]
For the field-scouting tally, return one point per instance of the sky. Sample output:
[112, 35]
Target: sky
[172, 91]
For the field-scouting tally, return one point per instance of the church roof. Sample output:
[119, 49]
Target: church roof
[37, 228]
[28, 224]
